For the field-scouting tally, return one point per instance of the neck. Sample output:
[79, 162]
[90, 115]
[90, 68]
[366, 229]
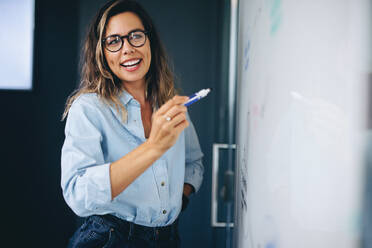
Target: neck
[137, 90]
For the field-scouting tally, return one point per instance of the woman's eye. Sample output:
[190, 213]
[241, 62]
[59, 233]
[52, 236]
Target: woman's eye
[136, 36]
[113, 41]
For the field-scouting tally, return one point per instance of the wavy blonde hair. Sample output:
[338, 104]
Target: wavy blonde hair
[96, 76]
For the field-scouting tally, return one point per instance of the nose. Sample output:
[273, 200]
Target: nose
[127, 48]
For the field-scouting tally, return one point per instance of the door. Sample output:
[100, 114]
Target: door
[223, 164]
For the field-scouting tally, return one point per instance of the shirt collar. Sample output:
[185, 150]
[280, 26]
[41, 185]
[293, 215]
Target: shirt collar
[126, 97]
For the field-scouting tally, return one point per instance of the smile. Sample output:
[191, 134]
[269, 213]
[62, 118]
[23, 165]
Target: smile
[132, 63]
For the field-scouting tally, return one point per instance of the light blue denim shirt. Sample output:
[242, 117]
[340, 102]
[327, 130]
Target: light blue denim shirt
[96, 136]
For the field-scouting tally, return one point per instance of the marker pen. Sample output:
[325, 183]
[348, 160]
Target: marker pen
[197, 96]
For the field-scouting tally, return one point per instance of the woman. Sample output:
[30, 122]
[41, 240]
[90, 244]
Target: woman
[131, 156]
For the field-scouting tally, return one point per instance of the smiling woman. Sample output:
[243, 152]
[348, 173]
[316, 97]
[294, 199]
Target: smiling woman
[128, 62]
[131, 156]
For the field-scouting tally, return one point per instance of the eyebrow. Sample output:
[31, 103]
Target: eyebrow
[131, 31]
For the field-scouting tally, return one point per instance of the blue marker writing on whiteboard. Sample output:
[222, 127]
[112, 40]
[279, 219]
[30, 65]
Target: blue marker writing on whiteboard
[197, 96]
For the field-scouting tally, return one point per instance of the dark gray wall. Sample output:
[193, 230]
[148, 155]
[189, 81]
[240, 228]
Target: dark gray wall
[33, 210]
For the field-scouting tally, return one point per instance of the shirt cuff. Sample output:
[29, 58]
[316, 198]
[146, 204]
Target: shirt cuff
[97, 186]
[194, 174]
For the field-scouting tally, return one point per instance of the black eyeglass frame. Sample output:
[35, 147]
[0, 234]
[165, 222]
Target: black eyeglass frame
[125, 37]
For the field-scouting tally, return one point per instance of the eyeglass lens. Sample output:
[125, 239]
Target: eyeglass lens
[115, 42]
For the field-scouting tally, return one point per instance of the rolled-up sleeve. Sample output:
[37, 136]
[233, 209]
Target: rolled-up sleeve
[194, 169]
[85, 177]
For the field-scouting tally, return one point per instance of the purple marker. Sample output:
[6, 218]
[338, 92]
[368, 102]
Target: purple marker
[197, 96]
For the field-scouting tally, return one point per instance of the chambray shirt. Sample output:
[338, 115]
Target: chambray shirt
[95, 136]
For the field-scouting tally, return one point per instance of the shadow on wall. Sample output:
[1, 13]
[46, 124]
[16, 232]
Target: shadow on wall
[366, 216]
[367, 198]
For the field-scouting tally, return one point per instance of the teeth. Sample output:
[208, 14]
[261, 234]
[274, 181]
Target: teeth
[132, 62]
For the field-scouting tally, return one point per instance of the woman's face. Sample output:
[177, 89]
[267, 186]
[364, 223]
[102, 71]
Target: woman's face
[130, 64]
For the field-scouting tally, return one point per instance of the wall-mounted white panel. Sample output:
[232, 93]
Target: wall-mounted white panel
[16, 44]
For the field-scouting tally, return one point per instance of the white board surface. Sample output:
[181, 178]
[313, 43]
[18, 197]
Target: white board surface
[302, 110]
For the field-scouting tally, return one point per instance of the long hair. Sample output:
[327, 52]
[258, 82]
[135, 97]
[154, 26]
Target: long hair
[96, 76]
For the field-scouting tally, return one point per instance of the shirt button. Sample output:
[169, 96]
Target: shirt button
[162, 183]
[164, 211]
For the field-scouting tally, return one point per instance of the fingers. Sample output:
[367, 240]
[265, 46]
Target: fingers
[181, 126]
[176, 120]
[168, 122]
[175, 110]
[172, 118]
[176, 125]
[176, 100]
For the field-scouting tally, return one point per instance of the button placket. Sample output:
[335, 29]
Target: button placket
[160, 170]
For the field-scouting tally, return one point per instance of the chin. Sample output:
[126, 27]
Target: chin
[132, 79]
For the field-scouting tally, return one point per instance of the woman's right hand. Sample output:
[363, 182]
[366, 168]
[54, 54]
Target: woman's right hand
[168, 123]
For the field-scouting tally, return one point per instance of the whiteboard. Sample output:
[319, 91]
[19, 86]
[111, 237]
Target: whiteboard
[302, 110]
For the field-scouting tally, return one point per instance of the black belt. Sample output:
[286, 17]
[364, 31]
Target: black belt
[132, 229]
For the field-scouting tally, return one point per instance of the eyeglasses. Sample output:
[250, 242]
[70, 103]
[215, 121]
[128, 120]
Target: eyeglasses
[114, 43]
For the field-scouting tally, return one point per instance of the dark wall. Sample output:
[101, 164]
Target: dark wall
[30, 145]
[32, 134]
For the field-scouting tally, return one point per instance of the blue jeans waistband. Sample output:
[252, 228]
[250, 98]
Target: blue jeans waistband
[133, 229]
